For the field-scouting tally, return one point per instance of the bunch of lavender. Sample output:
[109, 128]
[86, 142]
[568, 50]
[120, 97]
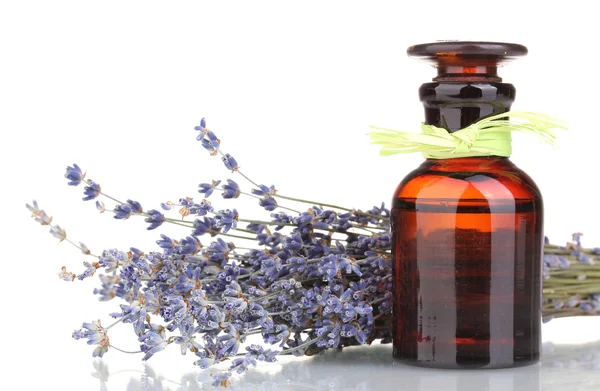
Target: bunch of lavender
[571, 284]
[309, 280]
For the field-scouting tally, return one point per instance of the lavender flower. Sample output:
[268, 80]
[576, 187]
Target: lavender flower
[201, 209]
[74, 175]
[91, 191]
[227, 219]
[96, 335]
[39, 215]
[188, 246]
[202, 129]
[269, 204]
[230, 162]
[231, 189]
[58, 232]
[153, 341]
[205, 225]
[264, 191]
[122, 212]
[208, 188]
[88, 272]
[135, 206]
[155, 218]
[210, 142]
[66, 275]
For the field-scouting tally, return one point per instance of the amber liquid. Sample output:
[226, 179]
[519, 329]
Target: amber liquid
[467, 266]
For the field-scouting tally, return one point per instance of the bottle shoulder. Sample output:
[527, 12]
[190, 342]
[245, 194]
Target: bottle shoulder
[469, 178]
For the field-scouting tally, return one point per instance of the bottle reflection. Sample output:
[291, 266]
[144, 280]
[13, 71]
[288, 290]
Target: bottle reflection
[371, 368]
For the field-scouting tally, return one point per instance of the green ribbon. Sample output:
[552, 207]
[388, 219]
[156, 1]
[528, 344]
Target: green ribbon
[489, 137]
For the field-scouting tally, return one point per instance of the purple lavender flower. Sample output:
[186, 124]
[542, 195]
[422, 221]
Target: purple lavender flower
[572, 302]
[261, 354]
[205, 225]
[152, 341]
[84, 249]
[201, 209]
[271, 268]
[328, 267]
[265, 191]
[256, 227]
[292, 243]
[188, 246]
[582, 258]
[551, 260]
[91, 191]
[230, 162]
[295, 343]
[282, 218]
[269, 204]
[349, 265]
[229, 343]
[329, 334]
[122, 212]
[202, 129]
[88, 272]
[304, 218]
[74, 175]
[268, 239]
[155, 218]
[134, 313]
[135, 206]
[280, 334]
[165, 242]
[218, 251]
[38, 214]
[208, 188]
[241, 364]
[227, 219]
[210, 142]
[100, 206]
[58, 232]
[187, 339]
[231, 190]
[96, 335]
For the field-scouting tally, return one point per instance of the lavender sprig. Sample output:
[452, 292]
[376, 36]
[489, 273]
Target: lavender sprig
[309, 281]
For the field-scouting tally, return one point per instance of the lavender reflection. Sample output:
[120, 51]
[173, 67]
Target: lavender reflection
[371, 368]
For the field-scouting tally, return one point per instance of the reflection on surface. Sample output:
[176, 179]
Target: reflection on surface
[564, 367]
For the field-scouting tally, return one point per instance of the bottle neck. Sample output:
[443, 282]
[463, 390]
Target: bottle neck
[454, 105]
[470, 164]
[471, 73]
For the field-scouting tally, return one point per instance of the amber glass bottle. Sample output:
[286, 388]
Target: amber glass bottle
[467, 236]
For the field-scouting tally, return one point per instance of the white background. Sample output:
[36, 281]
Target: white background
[289, 87]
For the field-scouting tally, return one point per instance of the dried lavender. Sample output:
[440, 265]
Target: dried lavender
[308, 281]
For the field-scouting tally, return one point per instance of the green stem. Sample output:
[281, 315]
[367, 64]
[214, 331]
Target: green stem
[237, 236]
[330, 205]
[278, 206]
[115, 323]
[124, 351]
[305, 344]
[79, 247]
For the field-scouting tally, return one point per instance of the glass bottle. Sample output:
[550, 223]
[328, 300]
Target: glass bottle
[467, 239]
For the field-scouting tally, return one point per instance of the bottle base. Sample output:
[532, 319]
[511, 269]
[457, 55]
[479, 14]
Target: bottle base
[466, 364]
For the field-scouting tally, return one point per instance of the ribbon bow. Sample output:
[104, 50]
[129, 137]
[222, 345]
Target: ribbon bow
[490, 136]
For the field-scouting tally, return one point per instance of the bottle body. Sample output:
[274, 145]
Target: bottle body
[467, 243]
